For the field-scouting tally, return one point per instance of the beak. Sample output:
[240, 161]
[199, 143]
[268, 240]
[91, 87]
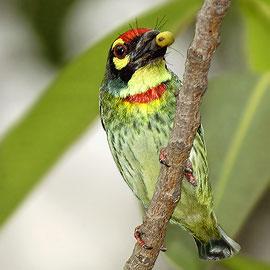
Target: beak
[152, 45]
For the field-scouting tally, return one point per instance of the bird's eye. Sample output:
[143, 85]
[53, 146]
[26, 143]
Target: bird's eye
[120, 51]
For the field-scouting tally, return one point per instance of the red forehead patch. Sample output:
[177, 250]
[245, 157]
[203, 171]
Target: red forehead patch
[133, 33]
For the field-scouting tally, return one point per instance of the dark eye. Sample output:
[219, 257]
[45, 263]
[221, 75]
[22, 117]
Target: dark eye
[120, 51]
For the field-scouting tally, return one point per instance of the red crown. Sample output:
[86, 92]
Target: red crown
[133, 33]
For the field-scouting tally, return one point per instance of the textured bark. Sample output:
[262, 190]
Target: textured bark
[186, 123]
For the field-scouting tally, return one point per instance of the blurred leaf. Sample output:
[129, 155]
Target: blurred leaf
[257, 21]
[236, 120]
[230, 54]
[182, 251]
[47, 18]
[245, 263]
[64, 111]
[237, 127]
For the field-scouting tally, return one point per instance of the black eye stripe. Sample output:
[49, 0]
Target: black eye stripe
[125, 73]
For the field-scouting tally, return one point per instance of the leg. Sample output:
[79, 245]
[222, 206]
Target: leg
[163, 157]
[138, 236]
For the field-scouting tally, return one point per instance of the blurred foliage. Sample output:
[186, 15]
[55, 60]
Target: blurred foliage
[235, 115]
[257, 21]
[241, 103]
[182, 250]
[230, 53]
[47, 18]
[245, 263]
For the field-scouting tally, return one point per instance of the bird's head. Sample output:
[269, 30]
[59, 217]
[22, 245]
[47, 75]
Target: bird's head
[136, 61]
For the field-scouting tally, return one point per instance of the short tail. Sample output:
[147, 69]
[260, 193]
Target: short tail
[217, 249]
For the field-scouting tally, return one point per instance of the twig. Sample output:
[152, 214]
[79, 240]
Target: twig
[186, 123]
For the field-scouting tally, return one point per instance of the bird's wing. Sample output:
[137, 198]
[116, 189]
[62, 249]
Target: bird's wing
[198, 158]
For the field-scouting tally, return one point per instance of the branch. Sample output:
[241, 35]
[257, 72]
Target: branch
[186, 123]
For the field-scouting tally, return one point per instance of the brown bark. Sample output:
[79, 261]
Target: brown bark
[186, 123]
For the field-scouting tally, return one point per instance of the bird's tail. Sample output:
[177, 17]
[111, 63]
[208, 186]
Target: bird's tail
[217, 249]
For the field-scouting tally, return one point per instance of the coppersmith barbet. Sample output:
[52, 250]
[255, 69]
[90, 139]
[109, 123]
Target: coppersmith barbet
[137, 108]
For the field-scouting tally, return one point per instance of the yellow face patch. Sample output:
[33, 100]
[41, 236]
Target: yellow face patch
[117, 42]
[121, 63]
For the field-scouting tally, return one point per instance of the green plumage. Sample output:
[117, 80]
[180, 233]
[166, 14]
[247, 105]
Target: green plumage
[136, 132]
[135, 139]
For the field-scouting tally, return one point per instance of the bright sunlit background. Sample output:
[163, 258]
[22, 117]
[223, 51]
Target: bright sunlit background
[81, 215]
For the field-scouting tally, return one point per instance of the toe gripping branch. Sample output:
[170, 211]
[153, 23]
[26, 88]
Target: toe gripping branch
[138, 236]
[188, 172]
[163, 159]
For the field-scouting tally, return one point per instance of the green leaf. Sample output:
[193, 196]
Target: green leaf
[257, 21]
[181, 250]
[245, 263]
[47, 18]
[236, 117]
[230, 54]
[237, 128]
[64, 112]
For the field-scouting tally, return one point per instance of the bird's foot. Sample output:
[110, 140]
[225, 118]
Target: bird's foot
[163, 157]
[163, 249]
[188, 172]
[138, 236]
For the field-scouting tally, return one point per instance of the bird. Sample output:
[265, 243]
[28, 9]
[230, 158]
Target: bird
[137, 101]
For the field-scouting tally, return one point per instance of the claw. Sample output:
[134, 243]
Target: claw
[189, 174]
[163, 157]
[163, 249]
[138, 236]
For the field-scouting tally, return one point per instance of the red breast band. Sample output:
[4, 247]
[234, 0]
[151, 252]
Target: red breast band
[148, 96]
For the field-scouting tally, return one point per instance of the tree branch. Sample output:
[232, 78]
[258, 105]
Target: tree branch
[186, 123]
